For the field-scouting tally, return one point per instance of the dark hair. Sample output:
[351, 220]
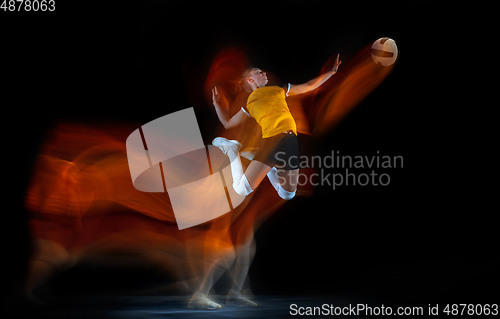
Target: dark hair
[242, 83]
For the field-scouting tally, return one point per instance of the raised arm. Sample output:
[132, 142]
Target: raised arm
[316, 82]
[227, 122]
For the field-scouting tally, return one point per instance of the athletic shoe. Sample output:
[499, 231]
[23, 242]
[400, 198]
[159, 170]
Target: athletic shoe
[226, 145]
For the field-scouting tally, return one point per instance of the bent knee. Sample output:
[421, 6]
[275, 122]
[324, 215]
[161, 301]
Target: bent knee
[242, 186]
[286, 195]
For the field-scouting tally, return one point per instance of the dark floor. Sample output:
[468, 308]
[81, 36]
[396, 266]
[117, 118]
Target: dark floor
[142, 307]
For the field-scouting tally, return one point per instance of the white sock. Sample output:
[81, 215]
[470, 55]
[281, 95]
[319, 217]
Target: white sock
[242, 186]
[273, 178]
[240, 182]
[236, 167]
[285, 194]
[275, 181]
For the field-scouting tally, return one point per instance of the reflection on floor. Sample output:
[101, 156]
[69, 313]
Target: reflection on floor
[142, 307]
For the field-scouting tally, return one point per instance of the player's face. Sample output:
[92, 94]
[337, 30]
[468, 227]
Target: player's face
[259, 77]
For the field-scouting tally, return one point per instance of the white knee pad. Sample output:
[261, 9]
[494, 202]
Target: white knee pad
[242, 186]
[286, 195]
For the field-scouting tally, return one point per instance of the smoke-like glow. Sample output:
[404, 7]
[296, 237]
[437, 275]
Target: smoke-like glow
[84, 206]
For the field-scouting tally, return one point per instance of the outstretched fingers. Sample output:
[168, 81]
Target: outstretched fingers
[337, 63]
[215, 94]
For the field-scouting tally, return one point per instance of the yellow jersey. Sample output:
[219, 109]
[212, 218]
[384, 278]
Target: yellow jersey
[267, 105]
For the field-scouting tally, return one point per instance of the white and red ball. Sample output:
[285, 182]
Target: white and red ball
[384, 51]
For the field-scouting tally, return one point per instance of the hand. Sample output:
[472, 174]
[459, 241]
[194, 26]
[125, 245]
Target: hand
[215, 96]
[336, 65]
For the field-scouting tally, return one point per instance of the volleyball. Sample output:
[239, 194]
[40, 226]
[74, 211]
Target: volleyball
[384, 51]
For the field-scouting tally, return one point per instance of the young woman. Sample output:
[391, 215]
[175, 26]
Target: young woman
[279, 149]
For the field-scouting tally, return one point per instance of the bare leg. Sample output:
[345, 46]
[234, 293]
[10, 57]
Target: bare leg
[200, 298]
[215, 271]
[244, 182]
[239, 273]
[256, 172]
[218, 256]
[288, 179]
[244, 257]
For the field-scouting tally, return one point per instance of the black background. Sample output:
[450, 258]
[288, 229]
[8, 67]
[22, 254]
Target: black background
[430, 235]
